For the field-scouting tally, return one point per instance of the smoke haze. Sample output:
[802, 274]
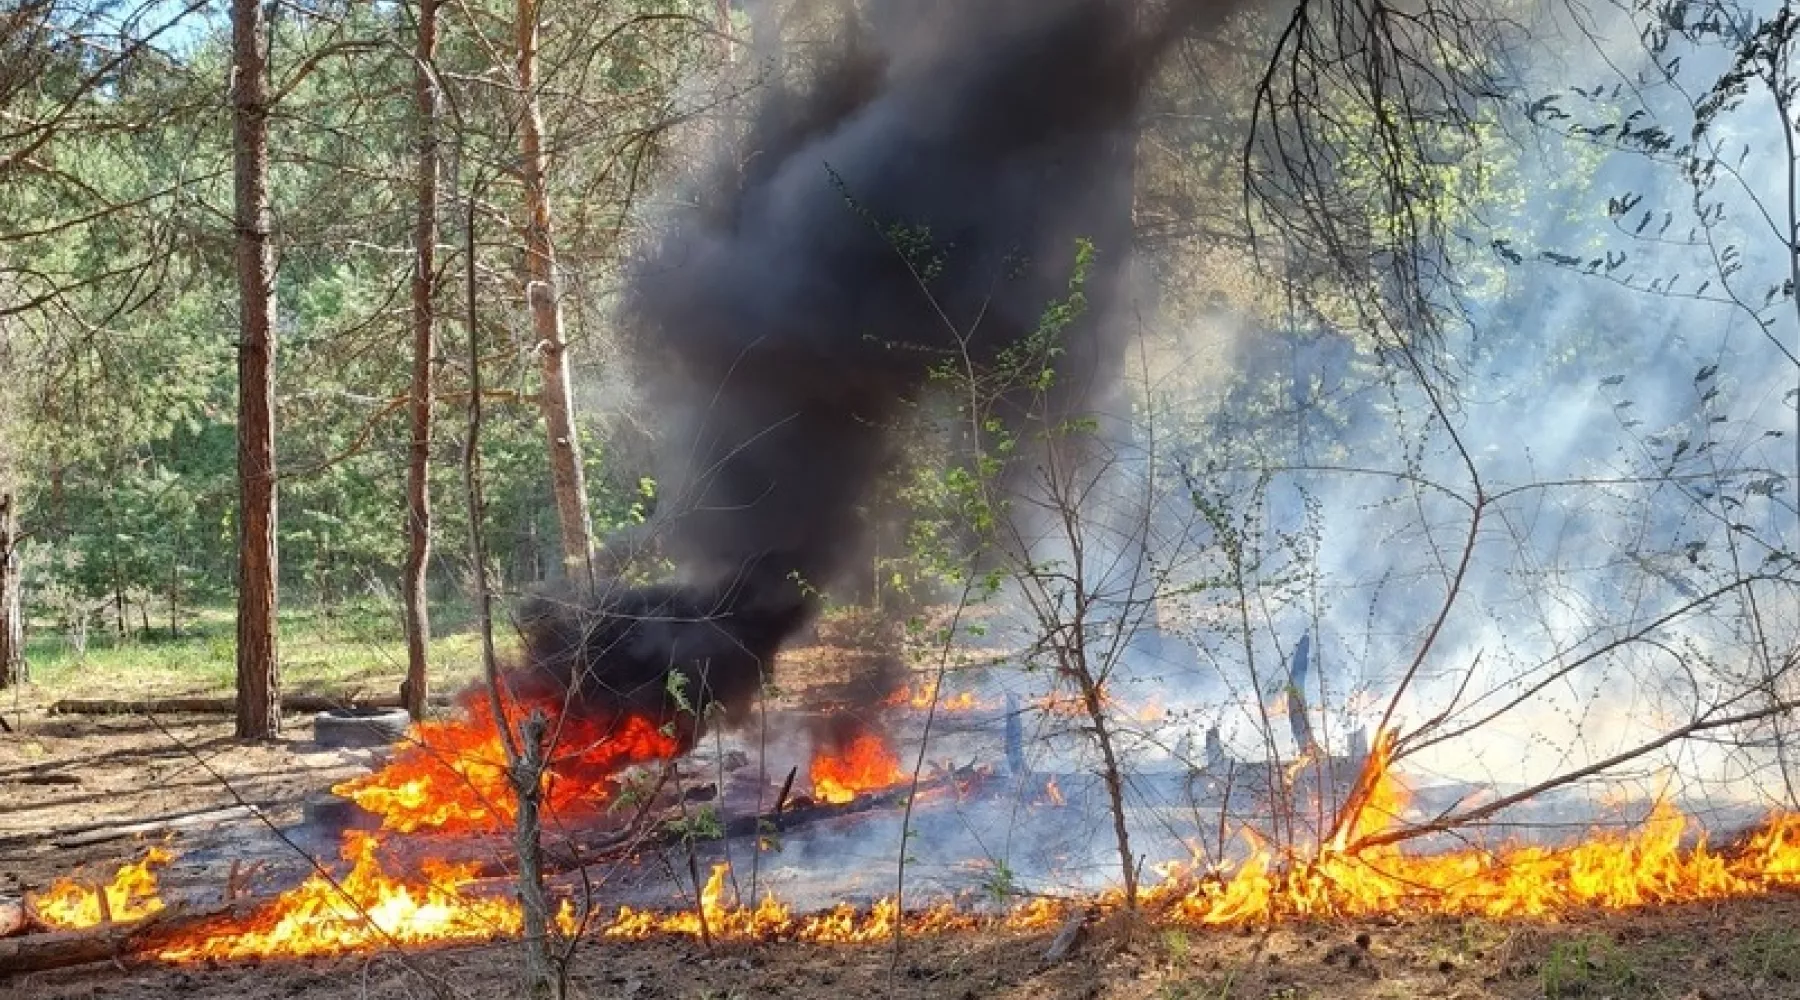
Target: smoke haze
[917, 199]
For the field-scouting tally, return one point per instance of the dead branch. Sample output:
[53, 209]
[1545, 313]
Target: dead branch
[1476, 815]
[152, 826]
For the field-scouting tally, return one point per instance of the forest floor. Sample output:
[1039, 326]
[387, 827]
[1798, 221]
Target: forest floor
[63, 771]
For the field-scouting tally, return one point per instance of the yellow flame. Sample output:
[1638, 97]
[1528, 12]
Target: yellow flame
[367, 909]
[130, 896]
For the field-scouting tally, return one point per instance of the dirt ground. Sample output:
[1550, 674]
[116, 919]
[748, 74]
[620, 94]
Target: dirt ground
[60, 773]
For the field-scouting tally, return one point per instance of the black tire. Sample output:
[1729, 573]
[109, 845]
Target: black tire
[360, 727]
[332, 815]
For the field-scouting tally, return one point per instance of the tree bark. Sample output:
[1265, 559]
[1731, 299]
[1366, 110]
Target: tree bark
[418, 465]
[258, 671]
[12, 610]
[567, 480]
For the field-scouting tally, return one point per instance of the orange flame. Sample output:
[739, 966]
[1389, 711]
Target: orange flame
[867, 764]
[371, 908]
[922, 698]
[452, 775]
[1377, 799]
[130, 896]
[367, 909]
[720, 921]
[772, 920]
[1646, 866]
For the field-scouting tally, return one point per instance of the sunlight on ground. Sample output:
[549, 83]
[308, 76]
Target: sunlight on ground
[342, 648]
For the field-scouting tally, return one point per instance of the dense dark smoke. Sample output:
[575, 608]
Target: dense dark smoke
[919, 197]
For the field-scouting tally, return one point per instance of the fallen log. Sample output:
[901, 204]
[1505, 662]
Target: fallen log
[571, 854]
[111, 942]
[13, 918]
[157, 825]
[295, 703]
[64, 833]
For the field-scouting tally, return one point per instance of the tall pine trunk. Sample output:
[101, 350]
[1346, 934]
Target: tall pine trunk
[567, 480]
[258, 671]
[12, 605]
[418, 465]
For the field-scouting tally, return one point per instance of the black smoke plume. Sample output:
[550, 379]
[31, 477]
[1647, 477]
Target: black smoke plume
[918, 196]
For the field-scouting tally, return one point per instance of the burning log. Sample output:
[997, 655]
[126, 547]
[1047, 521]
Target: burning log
[111, 942]
[794, 813]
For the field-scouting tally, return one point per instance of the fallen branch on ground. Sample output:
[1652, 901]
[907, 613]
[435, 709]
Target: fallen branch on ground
[159, 825]
[185, 817]
[111, 942]
[574, 853]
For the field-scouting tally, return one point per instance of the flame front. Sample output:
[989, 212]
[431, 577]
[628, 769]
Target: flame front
[367, 909]
[1646, 866]
[371, 908]
[451, 775]
[131, 895]
[922, 699]
[866, 764]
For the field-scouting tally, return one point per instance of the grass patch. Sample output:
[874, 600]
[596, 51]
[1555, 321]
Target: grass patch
[1590, 965]
[323, 647]
[1768, 953]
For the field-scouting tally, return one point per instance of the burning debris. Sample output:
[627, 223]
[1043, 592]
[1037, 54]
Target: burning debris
[370, 907]
[130, 896]
[848, 767]
[450, 775]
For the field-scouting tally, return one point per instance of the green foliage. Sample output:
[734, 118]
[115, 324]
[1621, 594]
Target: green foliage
[703, 824]
[117, 282]
[352, 645]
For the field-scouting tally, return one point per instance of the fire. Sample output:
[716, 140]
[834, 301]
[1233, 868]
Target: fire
[866, 764]
[719, 920]
[1375, 801]
[922, 699]
[69, 905]
[370, 907]
[772, 920]
[367, 909]
[1648, 865]
[451, 775]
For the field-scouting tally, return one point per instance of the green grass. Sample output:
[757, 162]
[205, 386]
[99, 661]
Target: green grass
[324, 647]
[1591, 965]
[1768, 953]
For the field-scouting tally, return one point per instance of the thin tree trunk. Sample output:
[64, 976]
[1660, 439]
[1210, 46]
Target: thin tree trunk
[524, 750]
[418, 466]
[258, 673]
[12, 613]
[567, 480]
